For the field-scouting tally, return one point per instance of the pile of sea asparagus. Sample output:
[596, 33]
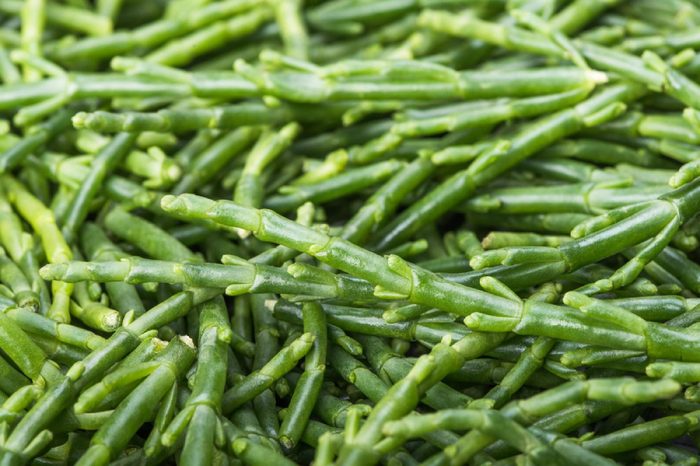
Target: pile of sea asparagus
[349, 232]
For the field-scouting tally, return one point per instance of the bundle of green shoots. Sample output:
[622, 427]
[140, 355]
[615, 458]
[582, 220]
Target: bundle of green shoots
[349, 232]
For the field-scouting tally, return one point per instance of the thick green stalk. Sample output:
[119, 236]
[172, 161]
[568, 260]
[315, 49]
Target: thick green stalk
[103, 164]
[309, 384]
[258, 381]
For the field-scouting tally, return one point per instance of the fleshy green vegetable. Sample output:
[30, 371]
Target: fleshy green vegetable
[349, 232]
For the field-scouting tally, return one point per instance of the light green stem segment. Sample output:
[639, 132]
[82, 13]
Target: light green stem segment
[272, 143]
[236, 276]
[393, 277]
[262, 379]
[33, 20]
[55, 247]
